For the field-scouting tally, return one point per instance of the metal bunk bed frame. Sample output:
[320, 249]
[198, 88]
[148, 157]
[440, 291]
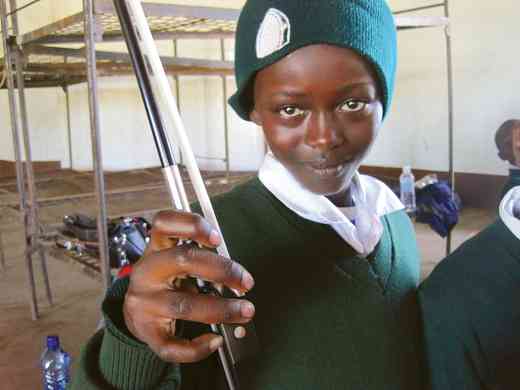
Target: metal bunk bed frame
[37, 64]
[445, 5]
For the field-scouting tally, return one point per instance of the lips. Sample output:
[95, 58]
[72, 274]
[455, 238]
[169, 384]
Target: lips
[327, 170]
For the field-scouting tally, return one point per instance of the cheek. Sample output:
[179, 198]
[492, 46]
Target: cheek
[359, 136]
[368, 129]
[362, 140]
[281, 138]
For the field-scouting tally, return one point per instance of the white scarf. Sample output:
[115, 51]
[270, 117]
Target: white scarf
[372, 200]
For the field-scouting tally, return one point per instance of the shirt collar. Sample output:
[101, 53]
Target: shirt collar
[506, 211]
[371, 197]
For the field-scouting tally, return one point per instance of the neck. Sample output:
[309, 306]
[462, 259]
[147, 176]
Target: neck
[342, 198]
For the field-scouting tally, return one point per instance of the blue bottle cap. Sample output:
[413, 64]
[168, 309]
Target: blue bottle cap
[53, 342]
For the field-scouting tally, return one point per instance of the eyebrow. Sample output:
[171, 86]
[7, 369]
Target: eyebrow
[344, 89]
[288, 94]
[351, 87]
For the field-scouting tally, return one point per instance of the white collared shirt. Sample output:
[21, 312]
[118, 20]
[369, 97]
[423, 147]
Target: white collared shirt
[371, 197]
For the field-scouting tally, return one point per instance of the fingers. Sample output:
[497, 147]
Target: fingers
[153, 301]
[192, 261]
[189, 351]
[171, 225]
[203, 308]
[157, 332]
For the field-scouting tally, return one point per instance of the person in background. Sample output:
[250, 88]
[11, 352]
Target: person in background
[469, 306]
[331, 254]
[470, 309]
[507, 140]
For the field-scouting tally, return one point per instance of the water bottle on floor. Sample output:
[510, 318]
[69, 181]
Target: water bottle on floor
[407, 186]
[55, 365]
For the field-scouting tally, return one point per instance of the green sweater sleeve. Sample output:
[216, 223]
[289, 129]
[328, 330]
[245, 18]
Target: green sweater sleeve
[470, 314]
[451, 362]
[114, 359]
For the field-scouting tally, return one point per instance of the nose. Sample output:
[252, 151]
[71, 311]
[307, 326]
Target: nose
[323, 133]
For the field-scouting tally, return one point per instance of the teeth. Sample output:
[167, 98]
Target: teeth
[330, 170]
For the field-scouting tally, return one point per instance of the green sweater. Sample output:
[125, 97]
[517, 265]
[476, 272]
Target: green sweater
[326, 319]
[472, 315]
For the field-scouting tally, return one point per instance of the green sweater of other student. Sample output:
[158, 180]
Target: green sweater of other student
[472, 315]
[325, 318]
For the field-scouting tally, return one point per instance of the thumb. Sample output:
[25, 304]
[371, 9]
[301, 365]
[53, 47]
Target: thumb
[190, 351]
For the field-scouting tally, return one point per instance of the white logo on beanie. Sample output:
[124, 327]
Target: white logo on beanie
[274, 33]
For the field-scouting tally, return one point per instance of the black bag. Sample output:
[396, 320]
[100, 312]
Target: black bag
[81, 226]
[128, 238]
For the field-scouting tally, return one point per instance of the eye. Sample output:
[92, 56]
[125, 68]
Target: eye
[352, 105]
[291, 112]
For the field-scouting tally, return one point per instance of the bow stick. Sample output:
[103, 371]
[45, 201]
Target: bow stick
[153, 84]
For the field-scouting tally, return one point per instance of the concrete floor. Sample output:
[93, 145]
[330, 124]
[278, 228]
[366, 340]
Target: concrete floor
[433, 248]
[73, 317]
[77, 294]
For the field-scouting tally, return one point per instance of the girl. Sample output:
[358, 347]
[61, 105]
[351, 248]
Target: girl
[331, 254]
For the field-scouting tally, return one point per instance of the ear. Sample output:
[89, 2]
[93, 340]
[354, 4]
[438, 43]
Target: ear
[516, 144]
[254, 116]
[516, 137]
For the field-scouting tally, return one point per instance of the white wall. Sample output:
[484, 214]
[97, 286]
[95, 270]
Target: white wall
[126, 139]
[484, 56]
[484, 36]
[6, 140]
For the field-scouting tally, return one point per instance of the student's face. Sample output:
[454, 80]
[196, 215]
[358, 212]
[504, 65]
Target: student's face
[320, 109]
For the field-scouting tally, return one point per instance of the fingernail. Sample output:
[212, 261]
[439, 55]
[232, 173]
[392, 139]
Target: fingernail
[214, 237]
[247, 281]
[247, 310]
[216, 343]
[240, 332]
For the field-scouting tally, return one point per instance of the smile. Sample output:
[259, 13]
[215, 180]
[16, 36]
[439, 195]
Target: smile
[330, 171]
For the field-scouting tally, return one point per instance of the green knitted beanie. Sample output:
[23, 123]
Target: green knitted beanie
[268, 30]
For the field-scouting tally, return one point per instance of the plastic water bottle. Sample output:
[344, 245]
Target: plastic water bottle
[55, 364]
[407, 185]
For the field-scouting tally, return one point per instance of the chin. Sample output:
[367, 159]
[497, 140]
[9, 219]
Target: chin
[328, 189]
[324, 185]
